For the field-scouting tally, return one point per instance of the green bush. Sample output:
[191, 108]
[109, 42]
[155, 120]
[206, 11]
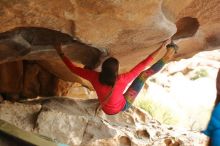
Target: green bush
[200, 73]
[156, 110]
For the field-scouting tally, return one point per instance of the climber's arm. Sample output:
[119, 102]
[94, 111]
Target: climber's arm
[135, 71]
[84, 73]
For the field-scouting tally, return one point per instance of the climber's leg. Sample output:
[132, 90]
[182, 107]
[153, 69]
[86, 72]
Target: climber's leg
[138, 83]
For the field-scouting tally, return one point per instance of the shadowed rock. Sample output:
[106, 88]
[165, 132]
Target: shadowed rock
[186, 27]
[21, 41]
[35, 43]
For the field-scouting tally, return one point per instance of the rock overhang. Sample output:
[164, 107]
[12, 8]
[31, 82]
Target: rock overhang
[128, 30]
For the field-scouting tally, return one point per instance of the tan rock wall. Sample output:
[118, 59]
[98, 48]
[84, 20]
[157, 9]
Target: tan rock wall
[26, 79]
[128, 30]
[11, 77]
[37, 81]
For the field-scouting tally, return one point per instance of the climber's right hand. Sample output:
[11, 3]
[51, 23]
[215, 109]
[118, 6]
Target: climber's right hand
[59, 49]
[173, 46]
[168, 41]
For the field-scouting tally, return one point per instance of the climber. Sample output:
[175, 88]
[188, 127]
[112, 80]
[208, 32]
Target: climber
[213, 128]
[110, 86]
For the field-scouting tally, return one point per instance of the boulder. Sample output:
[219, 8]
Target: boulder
[76, 122]
[91, 30]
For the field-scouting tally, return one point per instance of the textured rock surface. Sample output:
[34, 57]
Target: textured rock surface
[74, 122]
[26, 79]
[21, 115]
[75, 90]
[129, 30]
[11, 77]
[119, 27]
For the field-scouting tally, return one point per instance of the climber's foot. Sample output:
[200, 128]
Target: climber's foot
[171, 50]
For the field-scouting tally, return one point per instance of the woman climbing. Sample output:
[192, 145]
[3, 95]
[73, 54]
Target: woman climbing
[110, 86]
[213, 128]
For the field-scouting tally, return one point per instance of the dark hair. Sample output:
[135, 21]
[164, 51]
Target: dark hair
[109, 71]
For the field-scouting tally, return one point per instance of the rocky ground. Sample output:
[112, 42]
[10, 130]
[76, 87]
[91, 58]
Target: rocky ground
[74, 122]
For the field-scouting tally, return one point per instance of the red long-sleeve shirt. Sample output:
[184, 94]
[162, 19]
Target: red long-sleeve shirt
[116, 101]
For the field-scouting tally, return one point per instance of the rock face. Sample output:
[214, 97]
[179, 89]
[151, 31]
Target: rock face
[11, 83]
[26, 79]
[29, 29]
[74, 122]
[90, 30]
